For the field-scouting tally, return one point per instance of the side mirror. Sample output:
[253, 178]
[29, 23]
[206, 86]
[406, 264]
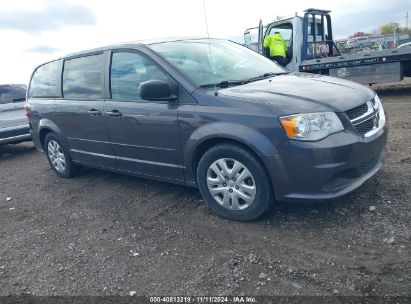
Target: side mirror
[158, 90]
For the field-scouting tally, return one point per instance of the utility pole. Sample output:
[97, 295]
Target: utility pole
[406, 20]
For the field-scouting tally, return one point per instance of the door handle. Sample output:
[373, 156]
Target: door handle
[94, 112]
[114, 113]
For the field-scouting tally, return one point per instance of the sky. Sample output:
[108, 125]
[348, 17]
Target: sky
[35, 31]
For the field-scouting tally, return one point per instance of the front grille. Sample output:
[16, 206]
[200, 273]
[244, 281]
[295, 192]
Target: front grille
[340, 180]
[357, 112]
[365, 126]
[365, 117]
[344, 178]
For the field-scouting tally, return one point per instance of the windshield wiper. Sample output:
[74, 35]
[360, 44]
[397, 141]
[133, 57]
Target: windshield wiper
[264, 76]
[228, 83]
[222, 84]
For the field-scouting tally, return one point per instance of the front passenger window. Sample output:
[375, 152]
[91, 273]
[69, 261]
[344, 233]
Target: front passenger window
[128, 70]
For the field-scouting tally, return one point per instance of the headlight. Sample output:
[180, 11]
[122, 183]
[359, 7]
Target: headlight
[311, 126]
[381, 114]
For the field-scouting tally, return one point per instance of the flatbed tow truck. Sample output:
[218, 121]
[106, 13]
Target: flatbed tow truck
[311, 49]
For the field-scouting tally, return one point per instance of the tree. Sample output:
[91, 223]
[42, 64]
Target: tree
[404, 30]
[389, 28]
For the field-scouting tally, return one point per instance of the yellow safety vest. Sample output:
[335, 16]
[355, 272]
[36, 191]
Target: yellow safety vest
[277, 45]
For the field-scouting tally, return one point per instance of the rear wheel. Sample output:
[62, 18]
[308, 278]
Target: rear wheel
[58, 156]
[233, 183]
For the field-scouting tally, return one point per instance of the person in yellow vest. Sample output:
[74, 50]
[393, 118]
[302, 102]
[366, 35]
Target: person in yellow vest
[277, 46]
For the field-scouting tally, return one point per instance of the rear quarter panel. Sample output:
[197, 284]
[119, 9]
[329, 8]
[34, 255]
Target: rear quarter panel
[40, 116]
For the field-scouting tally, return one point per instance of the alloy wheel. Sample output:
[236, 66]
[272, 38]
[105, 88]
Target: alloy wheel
[56, 156]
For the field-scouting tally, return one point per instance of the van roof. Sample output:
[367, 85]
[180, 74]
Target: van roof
[136, 43]
[130, 44]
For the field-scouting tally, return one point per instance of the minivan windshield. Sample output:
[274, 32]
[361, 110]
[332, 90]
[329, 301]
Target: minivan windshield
[226, 63]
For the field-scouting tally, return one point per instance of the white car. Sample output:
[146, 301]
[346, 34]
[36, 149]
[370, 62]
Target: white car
[14, 127]
[404, 45]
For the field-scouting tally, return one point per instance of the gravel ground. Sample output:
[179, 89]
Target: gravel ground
[108, 234]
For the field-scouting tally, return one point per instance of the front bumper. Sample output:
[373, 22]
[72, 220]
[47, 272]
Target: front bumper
[328, 169]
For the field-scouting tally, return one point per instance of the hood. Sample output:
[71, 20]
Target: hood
[303, 93]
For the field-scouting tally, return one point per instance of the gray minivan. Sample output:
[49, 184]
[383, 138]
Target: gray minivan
[208, 113]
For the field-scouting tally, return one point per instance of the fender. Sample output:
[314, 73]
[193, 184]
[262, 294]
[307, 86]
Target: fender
[251, 138]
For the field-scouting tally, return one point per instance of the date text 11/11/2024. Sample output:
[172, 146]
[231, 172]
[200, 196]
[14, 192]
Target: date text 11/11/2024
[203, 299]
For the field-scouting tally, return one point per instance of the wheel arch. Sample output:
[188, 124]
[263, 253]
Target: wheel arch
[246, 138]
[46, 126]
[207, 144]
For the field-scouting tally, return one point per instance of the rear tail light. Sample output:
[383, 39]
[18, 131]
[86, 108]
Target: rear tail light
[26, 110]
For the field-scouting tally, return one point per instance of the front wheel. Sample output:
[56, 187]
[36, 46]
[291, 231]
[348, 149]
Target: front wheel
[233, 183]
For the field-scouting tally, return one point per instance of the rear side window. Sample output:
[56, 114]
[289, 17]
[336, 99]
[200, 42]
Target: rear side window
[82, 77]
[43, 82]
[128, 70]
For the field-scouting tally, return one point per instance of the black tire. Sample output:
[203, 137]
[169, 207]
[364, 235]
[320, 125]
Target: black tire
[70, 169]
[262, 200]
